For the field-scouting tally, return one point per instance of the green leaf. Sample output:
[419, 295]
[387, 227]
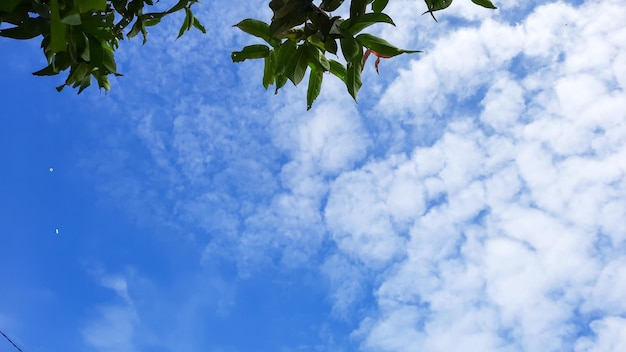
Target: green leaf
[46, 71]
[485, 3]
[317, 58]
[186, 23]
[357, 8]
[137, 28]
[298, 64]
[96, 52]
[315, 86]
[179, 6]
[379, 5]
[436, 5]
[353, 79]
[255, 51]
[368, 19]
[280, 82]
[331, 45]
[258, 29]
[196, 23]
[108, 61]
[288, 14]
[381, 46]
[28, 29]
[337, 69]
[57, 28]
[330, 5]
[283, 54]
[72, 20]
[350, 47]
[268, 70]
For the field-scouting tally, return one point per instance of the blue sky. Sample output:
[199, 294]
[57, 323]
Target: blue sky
[474, 199]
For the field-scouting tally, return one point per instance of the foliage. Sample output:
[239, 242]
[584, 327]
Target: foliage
[301, 34]
[82, 35]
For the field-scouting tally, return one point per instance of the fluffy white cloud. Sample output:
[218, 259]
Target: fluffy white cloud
[504, 235]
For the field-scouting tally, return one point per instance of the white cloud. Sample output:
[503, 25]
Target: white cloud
[515, 225]
[500, 232]
[609, 332]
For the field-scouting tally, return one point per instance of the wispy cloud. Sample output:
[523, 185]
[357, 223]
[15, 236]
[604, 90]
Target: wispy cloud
[115, 326]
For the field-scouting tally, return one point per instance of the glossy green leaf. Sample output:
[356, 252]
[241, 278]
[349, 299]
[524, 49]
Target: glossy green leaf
[381, 46]
[258, 29]
[255, 51]
[379, 5]
[338, 69]
[315, 86]
[350, 47]
[359, 24]
[317, 58]
[485, 3]
[297, 65]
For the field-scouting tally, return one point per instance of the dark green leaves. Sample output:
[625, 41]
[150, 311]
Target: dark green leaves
[302, 35]
[288, 14]
[189, 21]
[28, 29]
[81, 36]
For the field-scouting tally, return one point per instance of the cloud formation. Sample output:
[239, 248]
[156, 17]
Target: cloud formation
[474, 202]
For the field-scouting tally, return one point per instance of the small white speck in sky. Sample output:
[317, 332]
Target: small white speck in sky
[51, 169]
[57, 231]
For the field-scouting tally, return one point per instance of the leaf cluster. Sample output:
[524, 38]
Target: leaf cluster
[82, 35]
[303, 35]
